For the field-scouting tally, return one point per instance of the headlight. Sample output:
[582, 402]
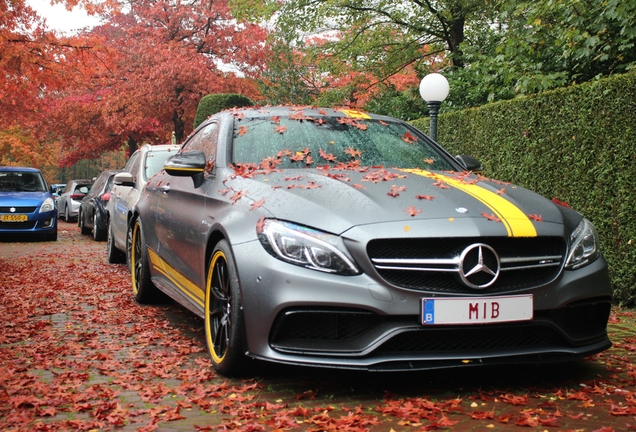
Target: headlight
[47, 206]
[306, 247]
[584, 246]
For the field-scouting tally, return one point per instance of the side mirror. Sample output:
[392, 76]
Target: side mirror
[187, 164]
[124, 179]
[470, 163]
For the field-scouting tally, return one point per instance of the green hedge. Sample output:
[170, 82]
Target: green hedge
[575, 144]
[214, 103]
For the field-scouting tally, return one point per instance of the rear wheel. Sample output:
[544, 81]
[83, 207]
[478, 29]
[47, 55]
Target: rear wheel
[115, 256]
[224, 326]
[67, 214]
[143, 288]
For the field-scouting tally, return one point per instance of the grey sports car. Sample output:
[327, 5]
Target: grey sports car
[337, 238]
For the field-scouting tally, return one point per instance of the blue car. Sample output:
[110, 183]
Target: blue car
[27, 206]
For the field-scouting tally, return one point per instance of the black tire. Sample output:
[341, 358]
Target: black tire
[144, 290]
[99, 234]
[224, 325]
[81, 224]
[67, 215]
[115, 256]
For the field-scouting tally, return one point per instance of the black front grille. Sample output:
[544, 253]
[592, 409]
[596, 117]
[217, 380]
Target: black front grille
[17, 210]
[17, 225]
[512, 277]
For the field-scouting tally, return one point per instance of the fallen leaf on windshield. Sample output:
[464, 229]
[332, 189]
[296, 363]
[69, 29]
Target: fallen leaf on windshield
[425, 197]
[280, 129]
[242, 131]
[535, 217]
[352, 152]
[327, 156]
[409, 138]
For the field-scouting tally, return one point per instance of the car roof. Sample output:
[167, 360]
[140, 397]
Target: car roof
[18, 168]
[160, 147]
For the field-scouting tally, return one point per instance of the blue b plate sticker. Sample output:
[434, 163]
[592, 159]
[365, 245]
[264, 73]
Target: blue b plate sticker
[428, 311]
[477, 310]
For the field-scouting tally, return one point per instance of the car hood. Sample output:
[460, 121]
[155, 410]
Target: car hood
[434, 203]
[22, 199]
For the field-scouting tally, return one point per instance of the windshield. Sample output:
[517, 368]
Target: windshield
[155, 161]
[18, 181]
[332, 141]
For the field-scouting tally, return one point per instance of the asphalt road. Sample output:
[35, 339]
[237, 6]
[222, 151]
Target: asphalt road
[77, 353]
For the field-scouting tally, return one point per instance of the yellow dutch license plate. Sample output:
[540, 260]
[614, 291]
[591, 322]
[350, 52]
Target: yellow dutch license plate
[14, 218]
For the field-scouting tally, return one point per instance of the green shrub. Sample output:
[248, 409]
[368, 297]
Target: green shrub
[214, 103]
[575, 144]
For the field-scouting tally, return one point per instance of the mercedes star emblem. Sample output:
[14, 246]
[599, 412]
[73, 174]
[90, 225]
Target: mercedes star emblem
[479, 266]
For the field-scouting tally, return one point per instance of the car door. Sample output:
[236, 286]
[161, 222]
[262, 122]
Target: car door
[180, 231]
[120, 196]
[93, 195]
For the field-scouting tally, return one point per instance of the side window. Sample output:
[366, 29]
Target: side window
[206, 141]
[133, 165]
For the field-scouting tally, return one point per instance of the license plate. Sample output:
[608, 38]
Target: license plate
[14, 217]
[472, 310]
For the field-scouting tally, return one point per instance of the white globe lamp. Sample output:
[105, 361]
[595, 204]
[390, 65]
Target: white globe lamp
[434, 90]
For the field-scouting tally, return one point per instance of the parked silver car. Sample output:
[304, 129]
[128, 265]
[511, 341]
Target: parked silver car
[342, 239]
[68, 203]
[127, 187]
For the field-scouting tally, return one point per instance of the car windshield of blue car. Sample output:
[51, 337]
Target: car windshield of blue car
[332, 141]
[21, 182]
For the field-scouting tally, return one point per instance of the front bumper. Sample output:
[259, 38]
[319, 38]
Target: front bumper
[298, 316]
[38, 223]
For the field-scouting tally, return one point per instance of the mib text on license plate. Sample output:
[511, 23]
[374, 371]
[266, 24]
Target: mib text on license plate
[473, 310]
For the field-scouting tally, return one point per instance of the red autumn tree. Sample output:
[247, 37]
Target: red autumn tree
[32, 65]
[159, 59]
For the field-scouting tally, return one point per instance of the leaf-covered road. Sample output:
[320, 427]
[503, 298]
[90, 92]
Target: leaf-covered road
[77, 353]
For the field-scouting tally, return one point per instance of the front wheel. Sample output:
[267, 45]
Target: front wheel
[224, 326]
[82, 224]
[143, 288]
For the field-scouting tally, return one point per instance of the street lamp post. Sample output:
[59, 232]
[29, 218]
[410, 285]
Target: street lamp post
[434, 89]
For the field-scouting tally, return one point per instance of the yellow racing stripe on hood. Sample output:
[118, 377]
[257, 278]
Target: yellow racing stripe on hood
[355, 114]
[516, 222]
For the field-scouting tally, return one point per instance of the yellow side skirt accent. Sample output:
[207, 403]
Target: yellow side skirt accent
[188, 288]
